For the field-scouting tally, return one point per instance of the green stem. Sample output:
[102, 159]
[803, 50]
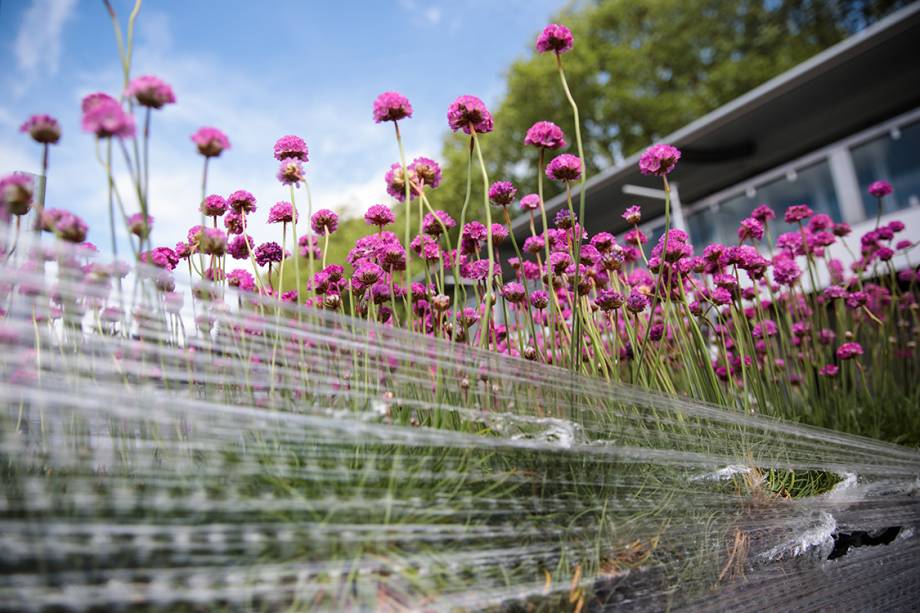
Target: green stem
[489, 298]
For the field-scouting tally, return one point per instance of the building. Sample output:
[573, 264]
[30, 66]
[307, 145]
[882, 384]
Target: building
[816, 134]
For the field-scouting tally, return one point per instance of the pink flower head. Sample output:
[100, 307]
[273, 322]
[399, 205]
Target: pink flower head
[530, 202]
[633, 215]
[90, 101]
[659, 160]
[424, 172]
[291, 147]
[391, 106]
[829, 370]
[105, 118]
[513, 292]
[785, 270]
[212, 241]
[239, 246]
[609, 300]
[556, 38]
[151, 92]
[211, 142]
[241, 280]
[43, 129]
[324, 221]
[880, 189]
[469, 113]
[636, 302]
[763, 213]
[502, 193]
[797, 213]
[138, 227]
[395, 179]
[16, 192]
[242, 201]
[565, 167]
[268, 253]
[290, 172]
[379, 215]
[434, 225]
[281, 212]
[499, 233]
[65, 225]
[545, 134]
[848, 351]
[161, 257]
[233, 221]
[750, 228]
[213, 206]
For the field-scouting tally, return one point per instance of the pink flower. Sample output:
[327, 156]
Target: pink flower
[469, 113]
[233, 221]
[213, 206]
[242, 201]
[291, 147]
[565, 167]
[137, 226]
[502, 193]
[556, 38]
[829, 370]
[848, 351]
[212, 241]
[211, 142]
[545, 134]
[268, 253]
[105, 118]
[636, 302]
[65, 225]
[609, 300]
[633, 215]
[241, 279]
[90, 101]
[513, 292]
[324, 221]
[880, 189]
[239, 246]
[750, 228]
[43, 129]
[391, 106]
[379, 215]
[425, 171]
[530, 202]
[434, 225]
[151, 92]
[763, 213]
[798, 212]
[659, 160]
[16, 192]
[282, 212]
[290, 172]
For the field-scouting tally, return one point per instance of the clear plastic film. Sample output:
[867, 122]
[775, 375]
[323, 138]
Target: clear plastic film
[203, 447]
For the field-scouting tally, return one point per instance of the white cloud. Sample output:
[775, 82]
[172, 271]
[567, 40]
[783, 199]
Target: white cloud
[38, 43]
[433, 15]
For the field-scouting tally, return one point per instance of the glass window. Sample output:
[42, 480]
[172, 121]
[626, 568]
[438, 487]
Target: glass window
[811, 185]
[896, 160]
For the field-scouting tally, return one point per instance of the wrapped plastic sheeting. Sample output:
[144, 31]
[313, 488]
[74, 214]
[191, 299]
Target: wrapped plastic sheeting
[236, 453]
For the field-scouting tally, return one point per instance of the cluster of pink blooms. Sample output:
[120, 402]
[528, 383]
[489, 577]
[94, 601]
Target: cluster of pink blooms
[633, 298]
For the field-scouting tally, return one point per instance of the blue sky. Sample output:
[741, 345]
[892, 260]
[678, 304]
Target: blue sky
[256, 70]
